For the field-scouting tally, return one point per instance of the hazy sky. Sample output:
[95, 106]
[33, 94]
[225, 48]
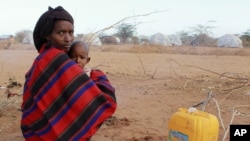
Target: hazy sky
[231, 16]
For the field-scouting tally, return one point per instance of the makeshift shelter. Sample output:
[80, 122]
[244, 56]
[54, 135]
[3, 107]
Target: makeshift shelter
[111, 40]
[229, 40]
[143, 40]
[159, 39]
[28, 39]
[92, 39]
[175, 40]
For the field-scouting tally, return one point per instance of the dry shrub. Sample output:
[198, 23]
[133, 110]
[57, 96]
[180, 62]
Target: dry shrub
[17, 46]
[11, 95]
[21, 46]
[245, 42]
[219, 52]
[108, 48]
[242, 52]
[4, 45]
[147, 49]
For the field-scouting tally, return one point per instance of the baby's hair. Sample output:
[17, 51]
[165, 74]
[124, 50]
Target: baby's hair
[74, 44]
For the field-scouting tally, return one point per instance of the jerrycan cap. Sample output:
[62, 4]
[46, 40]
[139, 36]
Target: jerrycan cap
[192, 109]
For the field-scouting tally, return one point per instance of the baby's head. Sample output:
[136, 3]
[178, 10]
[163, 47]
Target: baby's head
[79, 53]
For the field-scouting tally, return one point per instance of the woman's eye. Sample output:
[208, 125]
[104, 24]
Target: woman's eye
[61, 33]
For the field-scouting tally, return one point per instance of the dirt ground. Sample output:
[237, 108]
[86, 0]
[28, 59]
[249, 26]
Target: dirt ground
[151, 84]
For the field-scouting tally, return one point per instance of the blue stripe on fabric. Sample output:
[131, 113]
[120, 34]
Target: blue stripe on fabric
[25, 89]
[50, 84]
[28, 74]
[92, 121]
[41, 55]
[32, 109]
[108, 86]
[28, 135]
[66, 109]
[103, 77]
[54, 80]
[102, 81]
[27, 77]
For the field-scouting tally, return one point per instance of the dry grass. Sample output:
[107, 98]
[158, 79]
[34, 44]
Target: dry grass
[187, 50]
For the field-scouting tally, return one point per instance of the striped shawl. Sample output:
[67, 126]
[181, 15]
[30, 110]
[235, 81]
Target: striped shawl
[60, 102]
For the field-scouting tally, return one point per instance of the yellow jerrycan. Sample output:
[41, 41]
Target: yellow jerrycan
[192, 125]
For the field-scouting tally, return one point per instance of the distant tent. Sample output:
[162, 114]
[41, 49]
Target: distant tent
[28, 39]
[92, 39]
[229, 40]
[111, 40]
[159, 39]
[175, 40]
[143, 40]
[118, 40]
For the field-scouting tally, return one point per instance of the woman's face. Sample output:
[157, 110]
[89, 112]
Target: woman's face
[62, 35]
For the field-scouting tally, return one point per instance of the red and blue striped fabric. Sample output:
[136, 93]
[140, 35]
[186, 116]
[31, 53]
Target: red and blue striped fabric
[60, 102]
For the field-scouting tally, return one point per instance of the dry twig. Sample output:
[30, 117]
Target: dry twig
[231, 121]
[91, 38]
[127, 18]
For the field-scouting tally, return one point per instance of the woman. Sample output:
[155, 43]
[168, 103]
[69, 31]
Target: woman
[60, 102]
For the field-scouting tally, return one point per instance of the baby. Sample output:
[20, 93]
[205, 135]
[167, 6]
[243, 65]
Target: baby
[79, 53]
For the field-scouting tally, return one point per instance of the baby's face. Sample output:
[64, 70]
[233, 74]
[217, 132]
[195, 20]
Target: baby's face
[80, 56]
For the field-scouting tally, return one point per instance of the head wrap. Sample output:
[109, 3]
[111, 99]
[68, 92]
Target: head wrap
[45, 24]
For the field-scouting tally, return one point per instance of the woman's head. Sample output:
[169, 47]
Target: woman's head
[79, 53]
[55, 26]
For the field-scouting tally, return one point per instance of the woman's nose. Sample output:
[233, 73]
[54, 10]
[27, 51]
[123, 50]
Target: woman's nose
[68, 38]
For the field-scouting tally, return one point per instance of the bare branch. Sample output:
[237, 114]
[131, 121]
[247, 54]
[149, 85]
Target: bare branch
[155, 72]
[231, 121]
[127, 18]
[209, 95]
[219, 113]
[223, 74]
[142, 65]
[144, 70]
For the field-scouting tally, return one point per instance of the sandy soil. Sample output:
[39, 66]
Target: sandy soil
[151, 84]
